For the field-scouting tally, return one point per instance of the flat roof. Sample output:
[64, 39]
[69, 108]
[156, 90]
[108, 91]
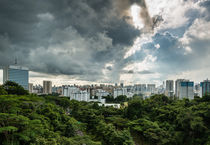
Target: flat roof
[17, 67]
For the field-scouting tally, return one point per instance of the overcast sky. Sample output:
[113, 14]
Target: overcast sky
[107, 41]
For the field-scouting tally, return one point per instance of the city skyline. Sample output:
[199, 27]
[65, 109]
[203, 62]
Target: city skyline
[107, 41]
[67, 81]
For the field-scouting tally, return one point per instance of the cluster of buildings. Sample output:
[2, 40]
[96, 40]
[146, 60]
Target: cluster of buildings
[186, 88]
[20, 75]
[180, 89]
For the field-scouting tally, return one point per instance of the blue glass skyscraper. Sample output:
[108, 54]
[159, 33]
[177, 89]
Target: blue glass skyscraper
[16, 74]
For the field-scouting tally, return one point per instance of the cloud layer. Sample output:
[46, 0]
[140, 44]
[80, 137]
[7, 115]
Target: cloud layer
[96, 40]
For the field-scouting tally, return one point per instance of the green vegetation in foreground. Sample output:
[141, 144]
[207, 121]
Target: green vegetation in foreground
[49, 120]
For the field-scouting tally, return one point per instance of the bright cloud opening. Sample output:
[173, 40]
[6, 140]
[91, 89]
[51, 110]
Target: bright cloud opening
[135, 12]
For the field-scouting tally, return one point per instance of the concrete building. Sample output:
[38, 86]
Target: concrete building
[197, 90]
[205, 87]
[178, 86]
[47, 87]
[185, 89]
[30, 88]
[119, 92]
[68, 91]
[140, 88]
[101, 93]
[76, 93]
[143, 88]
[169, 91]
[80, 96]
[16, 74]
[117, 106]
[151, 88]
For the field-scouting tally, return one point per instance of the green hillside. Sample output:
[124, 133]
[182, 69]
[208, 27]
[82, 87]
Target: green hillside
[49, 120]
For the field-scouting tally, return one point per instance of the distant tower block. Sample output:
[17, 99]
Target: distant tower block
[47, 87]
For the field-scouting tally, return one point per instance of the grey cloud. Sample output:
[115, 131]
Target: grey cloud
[109, 68]
[144, 72]
[206, 5]
[64, 37]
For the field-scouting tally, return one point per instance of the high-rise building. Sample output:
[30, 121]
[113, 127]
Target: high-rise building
[184, 89]
[143, 88]
[16, 74]
[30, 88]
[177, 86]
[197, 90]
[47, 87]
[169, 91]
[205, 87]
[151, 88]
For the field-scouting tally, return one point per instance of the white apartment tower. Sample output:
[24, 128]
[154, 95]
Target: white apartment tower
[184, 89]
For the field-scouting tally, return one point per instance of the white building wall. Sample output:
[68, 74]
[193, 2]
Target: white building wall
[120, 91]
[186, 89]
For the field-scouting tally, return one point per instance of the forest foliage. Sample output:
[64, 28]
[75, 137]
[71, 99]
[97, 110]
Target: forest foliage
[159, 120]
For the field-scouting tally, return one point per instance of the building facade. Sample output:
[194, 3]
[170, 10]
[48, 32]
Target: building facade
[16, 74]
[205, 87]
[185, 89]
[178, 86]
[197, 90]
[119, 92]
[151, 88]
[169, 91]
[47, 87]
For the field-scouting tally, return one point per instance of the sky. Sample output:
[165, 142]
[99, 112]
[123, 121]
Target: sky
[106, 41]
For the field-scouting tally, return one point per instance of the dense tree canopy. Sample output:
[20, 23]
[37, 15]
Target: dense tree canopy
[14, 88]
[159, 120]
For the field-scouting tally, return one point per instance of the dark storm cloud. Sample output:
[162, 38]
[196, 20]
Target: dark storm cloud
[74, 37]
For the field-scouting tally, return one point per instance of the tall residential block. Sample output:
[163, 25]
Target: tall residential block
[205, 87]
[47, 87]
[151, 88]
[184, 89]
[16, 74]
[169, 91]
[178, 86]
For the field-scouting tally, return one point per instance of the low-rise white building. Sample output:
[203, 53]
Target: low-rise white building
[75, 93]
[110, 105]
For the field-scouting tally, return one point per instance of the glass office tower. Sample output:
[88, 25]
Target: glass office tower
[16, 74]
